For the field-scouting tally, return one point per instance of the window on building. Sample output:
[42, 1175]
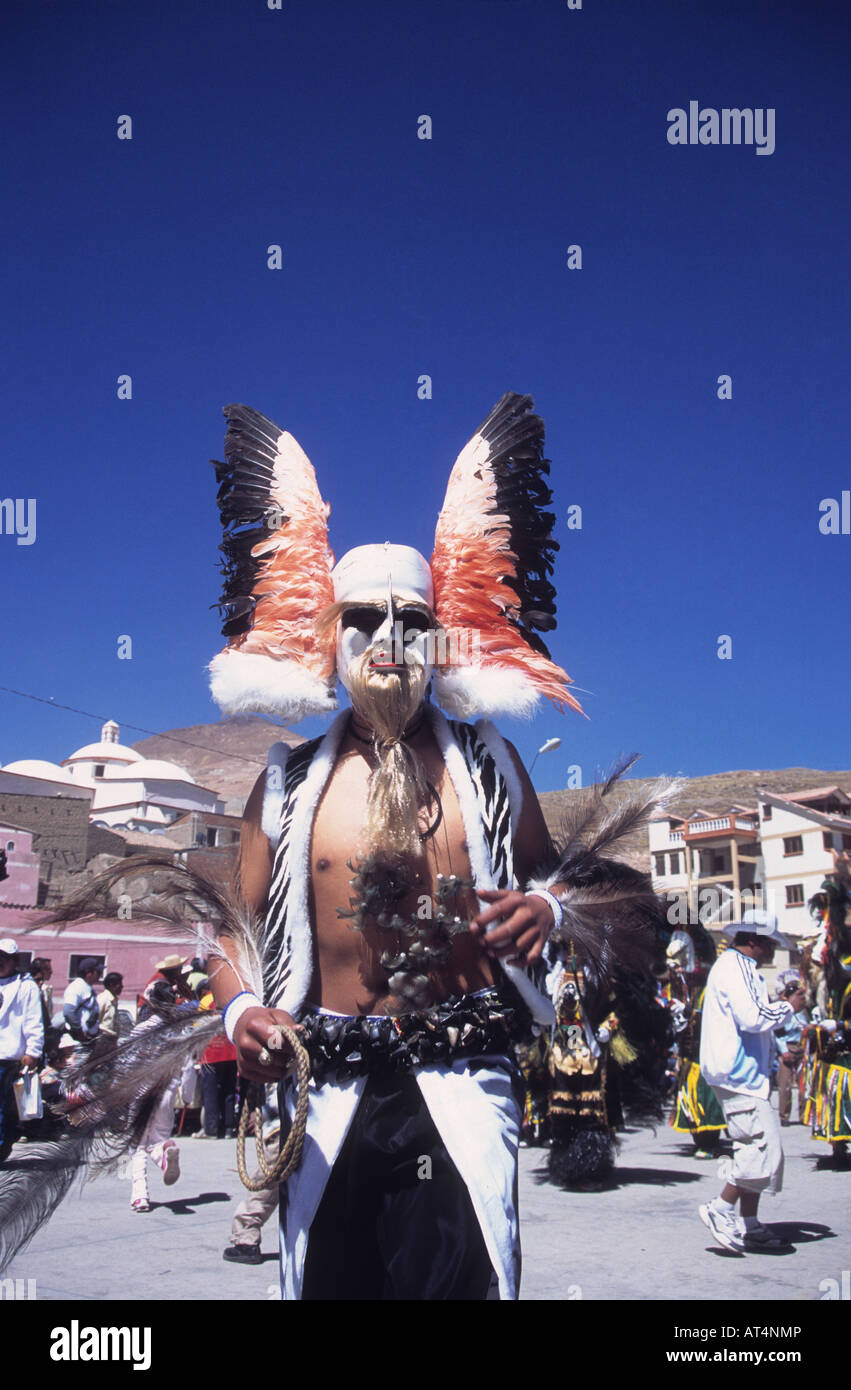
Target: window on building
[675, 862]
[766, 813]
[660, 865]
[211, 835]
[99, 769]
[794, 895]
[74, 962]
[10, 845]
[827, 839]
[846, 841]
[793, 844]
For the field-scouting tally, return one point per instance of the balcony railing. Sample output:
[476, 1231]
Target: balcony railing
[723, 824]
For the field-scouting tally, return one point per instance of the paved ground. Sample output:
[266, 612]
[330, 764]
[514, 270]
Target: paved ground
[640, 1239]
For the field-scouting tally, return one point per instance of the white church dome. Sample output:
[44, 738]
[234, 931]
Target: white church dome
[108, 750]
[102, 752]
[38, 767]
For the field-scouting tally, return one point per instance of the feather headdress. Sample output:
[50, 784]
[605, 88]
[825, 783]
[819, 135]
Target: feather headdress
[491, 568]
[491, 564]
[277, 574]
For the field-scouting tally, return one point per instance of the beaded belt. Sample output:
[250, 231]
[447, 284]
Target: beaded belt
[463, 1026]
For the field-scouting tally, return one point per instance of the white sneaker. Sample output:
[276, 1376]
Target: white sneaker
[724, 1228]
[170, 1162]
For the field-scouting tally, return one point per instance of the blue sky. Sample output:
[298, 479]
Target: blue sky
[448, 257]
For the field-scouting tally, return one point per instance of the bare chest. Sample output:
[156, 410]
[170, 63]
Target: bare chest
[354, 954]
[339, 829]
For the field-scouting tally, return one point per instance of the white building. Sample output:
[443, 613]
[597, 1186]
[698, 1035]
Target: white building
[713, 865]
[37, 777]
[798, 832]
[127, 791]
[707, 864]
[92, 762]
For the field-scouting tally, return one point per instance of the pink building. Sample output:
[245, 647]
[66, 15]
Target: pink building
[20, 888]
[131, 948]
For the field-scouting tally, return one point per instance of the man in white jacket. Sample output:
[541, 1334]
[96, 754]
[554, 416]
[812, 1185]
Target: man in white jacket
[737, 1038]
[21, 1035]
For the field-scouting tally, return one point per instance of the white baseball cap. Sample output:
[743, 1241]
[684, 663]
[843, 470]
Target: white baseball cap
[8, 947]
[760, 923]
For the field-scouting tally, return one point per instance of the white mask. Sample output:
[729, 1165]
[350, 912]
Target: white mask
[387, 588]
[398, 634]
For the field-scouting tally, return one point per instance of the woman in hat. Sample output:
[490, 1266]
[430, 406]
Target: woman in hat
[170, 969]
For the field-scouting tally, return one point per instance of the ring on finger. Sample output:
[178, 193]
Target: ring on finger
[264, 1058]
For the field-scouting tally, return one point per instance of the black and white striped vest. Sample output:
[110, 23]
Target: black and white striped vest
[489, 796]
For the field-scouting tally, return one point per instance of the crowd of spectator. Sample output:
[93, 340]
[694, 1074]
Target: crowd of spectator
[38, 1039]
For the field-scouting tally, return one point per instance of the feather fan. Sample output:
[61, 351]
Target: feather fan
[116, 1094]
[491, 564]
[183, 901]
[277, 575]
[115, 1098]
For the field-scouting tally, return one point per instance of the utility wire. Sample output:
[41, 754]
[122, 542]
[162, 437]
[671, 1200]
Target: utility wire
[137, 729]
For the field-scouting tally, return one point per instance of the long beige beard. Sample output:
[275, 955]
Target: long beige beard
[398, 790]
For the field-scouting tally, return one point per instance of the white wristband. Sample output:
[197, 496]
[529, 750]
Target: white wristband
[555, 905]
[234, 1010]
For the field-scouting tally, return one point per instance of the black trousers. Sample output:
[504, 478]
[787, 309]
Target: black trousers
[396, 1220]
[9, 1124]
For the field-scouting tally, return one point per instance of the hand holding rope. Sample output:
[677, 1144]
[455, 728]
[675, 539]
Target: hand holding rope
[289, 1157]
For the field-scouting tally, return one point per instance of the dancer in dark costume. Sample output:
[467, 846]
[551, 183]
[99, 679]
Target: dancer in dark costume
[608, 1048]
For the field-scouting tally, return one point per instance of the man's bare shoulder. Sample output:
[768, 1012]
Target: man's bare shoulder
[532, 842]
[253, 813]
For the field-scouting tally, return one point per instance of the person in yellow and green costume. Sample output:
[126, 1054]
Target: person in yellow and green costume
[696, 1110]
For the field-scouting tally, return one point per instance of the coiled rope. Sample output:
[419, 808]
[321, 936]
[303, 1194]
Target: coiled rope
[290, 1155]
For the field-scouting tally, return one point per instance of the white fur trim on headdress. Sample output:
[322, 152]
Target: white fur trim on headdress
[246, 683]
[470, 692]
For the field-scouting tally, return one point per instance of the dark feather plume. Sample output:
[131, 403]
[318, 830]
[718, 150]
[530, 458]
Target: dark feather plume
[244, 498]
[32, 1186]
[579, 1154]
[515, 435]
[115, 1097]
[612, 917]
